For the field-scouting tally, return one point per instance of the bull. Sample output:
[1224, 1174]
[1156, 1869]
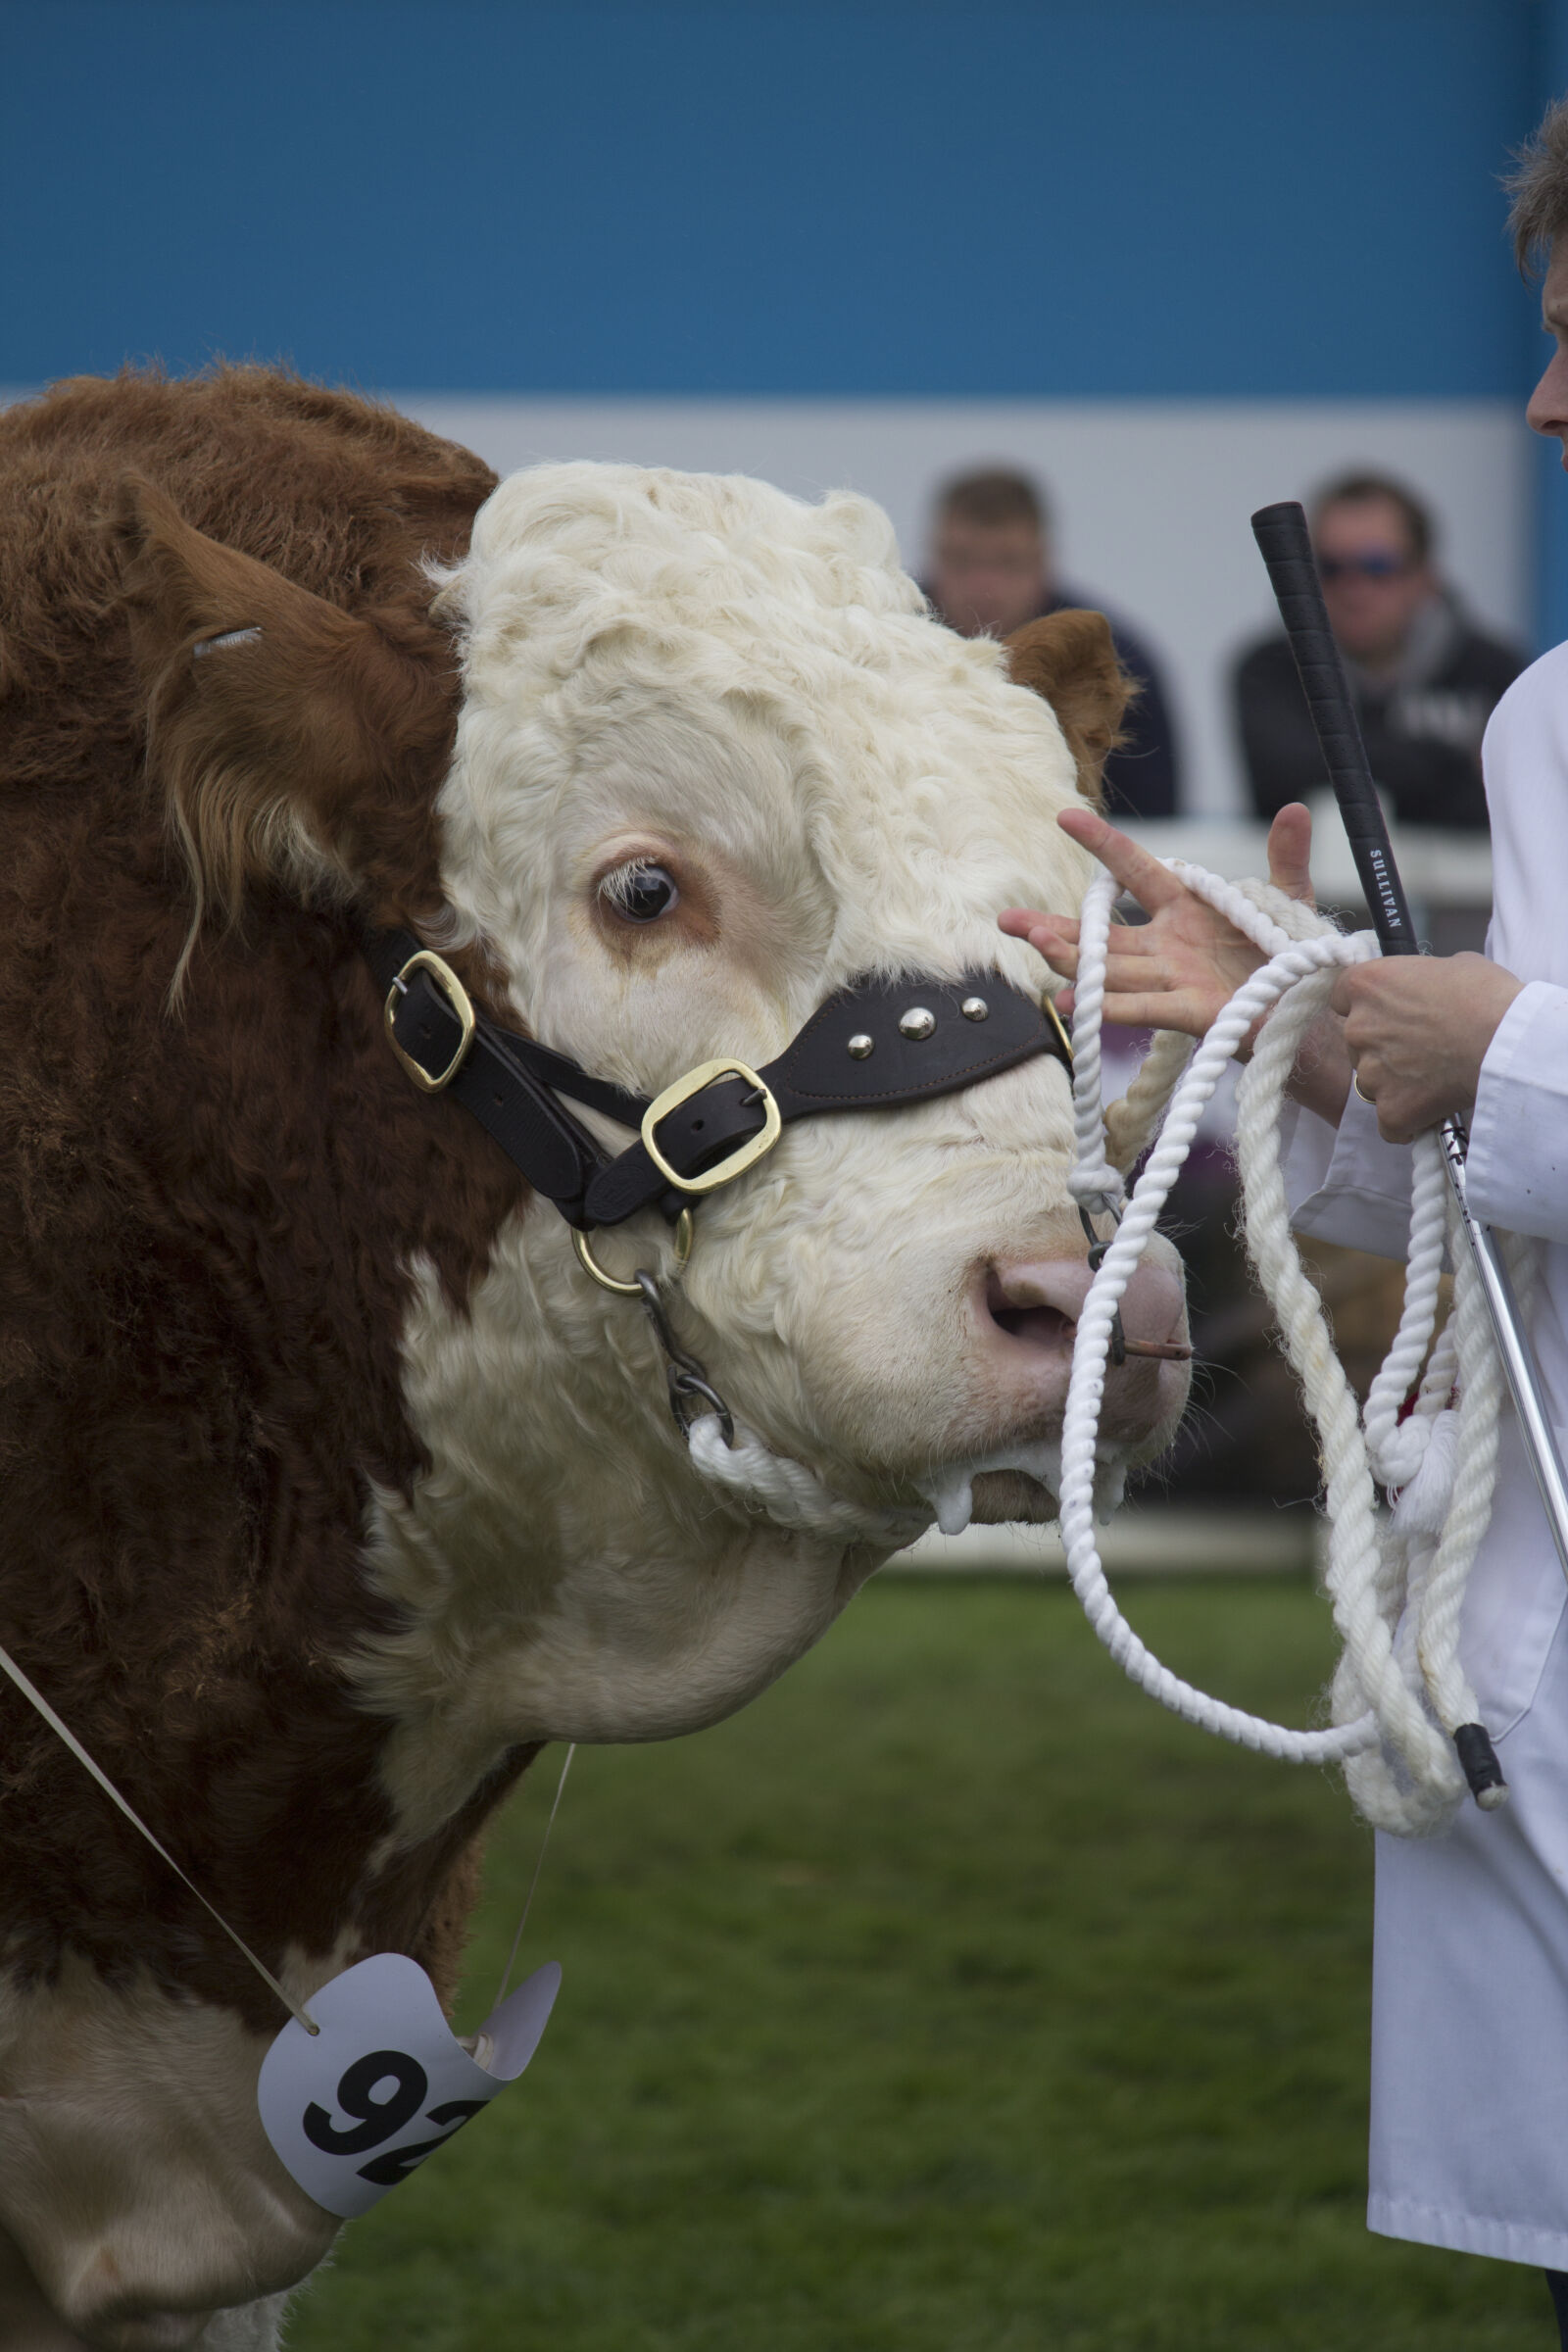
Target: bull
[333, 1486]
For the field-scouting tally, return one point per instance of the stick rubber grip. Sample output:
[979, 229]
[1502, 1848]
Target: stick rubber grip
[1286, 547]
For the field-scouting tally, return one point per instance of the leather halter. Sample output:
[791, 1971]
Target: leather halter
[875, 1044]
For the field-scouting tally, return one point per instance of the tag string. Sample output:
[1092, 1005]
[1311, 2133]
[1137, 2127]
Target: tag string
[35, 1698]
[533, 1888]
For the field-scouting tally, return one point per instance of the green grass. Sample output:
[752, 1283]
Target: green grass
[954, 1999]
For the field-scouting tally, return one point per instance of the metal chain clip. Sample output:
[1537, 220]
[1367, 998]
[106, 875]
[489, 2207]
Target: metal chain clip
[687, 1379]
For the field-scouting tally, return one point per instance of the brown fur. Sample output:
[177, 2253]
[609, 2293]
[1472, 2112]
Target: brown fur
[208, 1214]
[306, 756]
[1070, 658]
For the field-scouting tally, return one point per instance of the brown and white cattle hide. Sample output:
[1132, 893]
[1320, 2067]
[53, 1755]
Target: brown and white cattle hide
[331, 1487]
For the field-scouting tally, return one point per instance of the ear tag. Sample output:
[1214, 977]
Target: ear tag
[353, 2109]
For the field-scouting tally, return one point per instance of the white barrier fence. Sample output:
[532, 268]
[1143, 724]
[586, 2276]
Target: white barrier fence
[1148, 1539]
[1447, 875]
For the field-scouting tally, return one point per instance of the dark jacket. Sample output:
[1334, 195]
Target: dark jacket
[1423, 729]
[1141, 777]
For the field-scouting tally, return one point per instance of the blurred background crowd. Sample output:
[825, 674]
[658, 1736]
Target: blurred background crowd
[1425, 676]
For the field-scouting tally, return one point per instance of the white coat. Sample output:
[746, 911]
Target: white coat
[1469, 2144]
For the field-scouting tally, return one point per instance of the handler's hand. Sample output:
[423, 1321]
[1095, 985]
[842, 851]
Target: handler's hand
[1182, 967]
[1416, 1029]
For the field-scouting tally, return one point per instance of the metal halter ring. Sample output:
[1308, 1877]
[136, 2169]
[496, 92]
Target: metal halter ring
[633, 1289]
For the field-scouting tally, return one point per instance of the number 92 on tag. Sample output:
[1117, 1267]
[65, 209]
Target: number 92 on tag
[356, 2107]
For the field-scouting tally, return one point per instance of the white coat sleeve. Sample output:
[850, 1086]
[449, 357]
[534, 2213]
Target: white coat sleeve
[1347, 1185]
[1517, 1163]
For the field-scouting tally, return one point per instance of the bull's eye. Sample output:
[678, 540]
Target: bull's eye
[640, 893]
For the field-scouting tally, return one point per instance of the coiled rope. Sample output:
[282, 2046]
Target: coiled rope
[1404, 1716]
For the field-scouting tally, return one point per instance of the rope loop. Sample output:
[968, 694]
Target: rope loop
[1404, 1713]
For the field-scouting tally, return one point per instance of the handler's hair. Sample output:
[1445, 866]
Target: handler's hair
[992, 496]
[1350, 489]
[1539, 187]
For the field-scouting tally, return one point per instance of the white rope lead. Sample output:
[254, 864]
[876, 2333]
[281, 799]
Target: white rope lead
[1093, 1182]
[1399, 1697]
[791, 1494]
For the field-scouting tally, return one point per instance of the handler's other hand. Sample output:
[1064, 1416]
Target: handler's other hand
[1182, 967]
[1416, 1029]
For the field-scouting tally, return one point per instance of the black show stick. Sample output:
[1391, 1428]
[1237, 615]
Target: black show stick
[1286, 550]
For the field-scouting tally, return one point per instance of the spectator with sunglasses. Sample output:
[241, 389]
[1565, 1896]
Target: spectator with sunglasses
[1425, 679]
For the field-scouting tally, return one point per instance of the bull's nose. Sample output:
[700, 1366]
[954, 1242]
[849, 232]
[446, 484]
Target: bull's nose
[1040, 1304]
[1030, 1311]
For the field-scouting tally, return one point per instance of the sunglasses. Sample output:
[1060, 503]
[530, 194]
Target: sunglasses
[1374, 565]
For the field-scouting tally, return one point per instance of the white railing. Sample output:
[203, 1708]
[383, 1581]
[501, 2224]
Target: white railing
[1441, 869]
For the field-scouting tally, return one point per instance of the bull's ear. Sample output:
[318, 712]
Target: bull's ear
[1070, 658]
[295, 743]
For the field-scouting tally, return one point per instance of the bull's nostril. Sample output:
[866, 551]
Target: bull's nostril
[1035, 1323]
[1036, 1326]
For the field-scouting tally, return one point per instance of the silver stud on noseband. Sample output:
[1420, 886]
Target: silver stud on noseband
[917, 1022]
[975, 1009]
[860, 1046]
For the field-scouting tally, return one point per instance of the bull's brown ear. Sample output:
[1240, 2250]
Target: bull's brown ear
[1070, 658]
[295, 743]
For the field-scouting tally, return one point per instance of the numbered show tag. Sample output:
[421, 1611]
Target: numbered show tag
[354, 2109]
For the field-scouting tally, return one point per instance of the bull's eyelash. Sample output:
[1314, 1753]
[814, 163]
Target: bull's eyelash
[618, 888]
[615, 888]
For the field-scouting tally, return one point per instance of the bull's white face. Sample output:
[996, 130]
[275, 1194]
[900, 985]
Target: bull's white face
[714, 760]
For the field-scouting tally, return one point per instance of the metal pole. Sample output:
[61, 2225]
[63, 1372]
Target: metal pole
[1513, 1348]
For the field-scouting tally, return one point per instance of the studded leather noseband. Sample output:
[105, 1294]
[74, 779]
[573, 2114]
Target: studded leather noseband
[879, 1044]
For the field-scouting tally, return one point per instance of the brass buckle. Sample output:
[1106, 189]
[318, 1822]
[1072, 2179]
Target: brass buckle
[1048, 1006]
[457, 996]
[745, 1155]
[633, 1289]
